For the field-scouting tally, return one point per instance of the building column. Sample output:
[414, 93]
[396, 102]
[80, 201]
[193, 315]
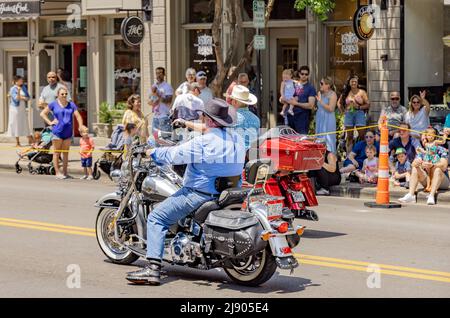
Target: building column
[94, 37]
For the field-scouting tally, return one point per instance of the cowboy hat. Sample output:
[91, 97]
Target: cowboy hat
[243, 95]
[221, 112]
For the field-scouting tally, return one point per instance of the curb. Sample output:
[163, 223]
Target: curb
[369, 193]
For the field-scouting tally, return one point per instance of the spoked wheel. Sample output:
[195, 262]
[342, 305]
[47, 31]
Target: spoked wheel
[113, 249]
[51, 171]
[254, 270]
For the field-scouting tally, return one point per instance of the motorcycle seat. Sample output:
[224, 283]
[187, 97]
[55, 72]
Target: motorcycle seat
[233, 196]
[202, 212]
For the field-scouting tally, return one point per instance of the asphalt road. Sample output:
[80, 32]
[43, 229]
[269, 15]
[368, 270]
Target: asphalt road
[46, 235]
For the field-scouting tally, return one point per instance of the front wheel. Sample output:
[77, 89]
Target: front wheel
[113, 249]
[254, 270]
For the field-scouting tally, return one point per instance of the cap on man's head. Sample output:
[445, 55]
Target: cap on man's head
[201, 74]
[400, 150]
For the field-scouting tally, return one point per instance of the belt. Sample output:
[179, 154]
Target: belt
[205, 193]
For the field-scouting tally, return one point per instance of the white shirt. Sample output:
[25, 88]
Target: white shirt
[183, 88]
[188, 105]
[418, 122]
[165, 90]
[206, 95]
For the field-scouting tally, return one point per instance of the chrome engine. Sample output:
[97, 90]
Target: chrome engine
[183, 250]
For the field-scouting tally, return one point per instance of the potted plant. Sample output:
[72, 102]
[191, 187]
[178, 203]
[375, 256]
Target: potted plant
[105, 116]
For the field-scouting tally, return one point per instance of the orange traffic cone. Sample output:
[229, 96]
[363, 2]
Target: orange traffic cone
[382, 197]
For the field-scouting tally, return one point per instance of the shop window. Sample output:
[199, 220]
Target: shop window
[345, 9]
[202, 56]
[61, 28]
[15, 29]
[347, 56]
[127, 71]
[200, 11]
[282, 10]
[117, 24]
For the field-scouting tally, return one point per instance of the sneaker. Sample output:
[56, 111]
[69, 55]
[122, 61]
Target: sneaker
[90, 178]
[291, 112]
[408, 198]
[83, 177]
[430, 200]
[323, 192]
[68, 177]
[60, 177]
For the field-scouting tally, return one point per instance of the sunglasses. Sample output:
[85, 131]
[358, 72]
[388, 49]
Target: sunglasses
[63, 94]
[416, 102]
[395, 98]
[304, 74]
[51, 77]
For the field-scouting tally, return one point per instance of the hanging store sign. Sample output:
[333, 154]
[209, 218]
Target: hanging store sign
[132, 31]
[19, 9]
[364, 21]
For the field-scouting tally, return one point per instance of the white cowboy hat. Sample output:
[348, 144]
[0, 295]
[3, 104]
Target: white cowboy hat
[243, 95]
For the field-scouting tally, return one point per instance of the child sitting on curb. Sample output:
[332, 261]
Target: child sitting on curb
[402, 170]
[369, 171]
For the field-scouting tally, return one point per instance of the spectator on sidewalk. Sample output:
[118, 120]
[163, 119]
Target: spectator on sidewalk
[18, 119]
[134, 115]
[325, 116]
[328, 176]
[205, 92]
[369, 171]
[401, 172]
[304, 101]
[63, 112]
[188, 106]
[161, 119]
[355, 103]
[190, 78]
[438, 174]
[405, 141]
[395, 114]
[50, 92]
[357, 156]
[418, 115]
[87, 146]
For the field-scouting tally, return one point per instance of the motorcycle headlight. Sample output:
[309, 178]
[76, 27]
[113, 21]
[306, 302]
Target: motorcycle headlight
[116, 175]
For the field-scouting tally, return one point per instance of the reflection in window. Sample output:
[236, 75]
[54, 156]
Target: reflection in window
[61, 28]
[15, 29]
[201, 52]
[117, 25]
[345, 9]
[127, 71]
[200, 11]
[282, 10]
[347, 56]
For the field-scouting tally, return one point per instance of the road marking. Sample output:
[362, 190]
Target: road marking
[60, 226]
[366, 264]
[382, 271]
[303, 258]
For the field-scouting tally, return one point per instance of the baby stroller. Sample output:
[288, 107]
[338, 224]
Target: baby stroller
[112, 156]
[42, 156]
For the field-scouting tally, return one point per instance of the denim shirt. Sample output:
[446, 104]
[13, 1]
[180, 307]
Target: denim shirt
[14, 93]
[217, 153]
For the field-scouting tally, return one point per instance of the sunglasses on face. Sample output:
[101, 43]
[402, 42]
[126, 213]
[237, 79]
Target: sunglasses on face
[51, 77]
[304, 74]
[395, 98]
[62, 94]
[416, 102]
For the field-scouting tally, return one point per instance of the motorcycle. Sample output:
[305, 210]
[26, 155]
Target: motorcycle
[293, 156]
[246, 232]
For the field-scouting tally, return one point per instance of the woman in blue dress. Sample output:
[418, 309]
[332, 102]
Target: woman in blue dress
[325, 116]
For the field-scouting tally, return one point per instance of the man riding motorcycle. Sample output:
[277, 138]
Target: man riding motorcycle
[219, 152]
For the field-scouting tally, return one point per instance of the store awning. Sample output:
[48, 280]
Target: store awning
[19, 10]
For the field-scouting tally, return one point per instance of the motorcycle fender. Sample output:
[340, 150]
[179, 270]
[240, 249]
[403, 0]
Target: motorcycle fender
[277, 244]
[110, 200]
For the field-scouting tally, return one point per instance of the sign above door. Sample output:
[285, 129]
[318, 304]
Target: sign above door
[20, 9]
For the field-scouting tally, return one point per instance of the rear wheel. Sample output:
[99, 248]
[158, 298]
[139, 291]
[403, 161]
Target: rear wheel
[96, 174]
[254, 270]
[113, 249]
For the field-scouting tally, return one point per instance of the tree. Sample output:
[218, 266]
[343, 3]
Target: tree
[233, 11]
[320, 7]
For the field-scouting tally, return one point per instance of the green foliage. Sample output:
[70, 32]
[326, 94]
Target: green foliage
[105, 114]
[320, 7]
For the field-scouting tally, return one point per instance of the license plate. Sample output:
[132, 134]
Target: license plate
[298, 196]
[275, 209]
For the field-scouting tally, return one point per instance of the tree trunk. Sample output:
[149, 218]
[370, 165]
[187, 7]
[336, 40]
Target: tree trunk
[234, 12]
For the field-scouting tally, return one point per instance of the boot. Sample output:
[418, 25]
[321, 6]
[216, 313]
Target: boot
[150, 274]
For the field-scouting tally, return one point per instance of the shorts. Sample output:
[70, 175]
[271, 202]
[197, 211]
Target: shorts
[86, 162]
[355, 119]
[54, 137]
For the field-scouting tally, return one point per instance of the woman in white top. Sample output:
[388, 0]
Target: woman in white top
[18, 121]
[190, 78]
[418, 115]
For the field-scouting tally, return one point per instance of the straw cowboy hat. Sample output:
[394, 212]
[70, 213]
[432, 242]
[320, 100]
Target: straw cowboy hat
[243, 95]
[221, 112]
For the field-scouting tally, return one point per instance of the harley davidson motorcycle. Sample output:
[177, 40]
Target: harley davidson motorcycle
[246, 232]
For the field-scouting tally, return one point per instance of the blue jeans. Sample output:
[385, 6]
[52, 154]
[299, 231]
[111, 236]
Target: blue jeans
[162, 123]
[167, 213]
